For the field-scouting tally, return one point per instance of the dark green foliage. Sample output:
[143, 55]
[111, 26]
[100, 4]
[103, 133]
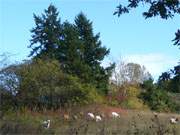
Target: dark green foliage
[177, 38]
[93, 53]
[155, 98]
[44, 85]
[163, 8]
[74, 45]
[46, 35]
[170, 81]
[175, 82]
[71, 50]
[159, 100]
[164, 81]
[165, 76]
[7, 100]
[148, 84]
[41, 84]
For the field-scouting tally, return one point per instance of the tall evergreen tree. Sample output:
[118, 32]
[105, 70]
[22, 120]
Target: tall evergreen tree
[93, 52]
[170, 81]
[75, 46]
[175, 84]
[46, 35]
[71, 49]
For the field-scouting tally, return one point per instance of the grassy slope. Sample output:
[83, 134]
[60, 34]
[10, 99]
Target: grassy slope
[131, 122]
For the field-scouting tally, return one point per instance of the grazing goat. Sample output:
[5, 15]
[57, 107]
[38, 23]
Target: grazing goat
[173, 120]
[115, 115]
[103, 115]
[46, 124]
[81, 113]
[155, 114]
[75, 117]
[91, 115]
[66, 116]
[98, 118]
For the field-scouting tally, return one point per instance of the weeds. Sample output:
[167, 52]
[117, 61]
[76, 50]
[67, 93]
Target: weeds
[135, 124]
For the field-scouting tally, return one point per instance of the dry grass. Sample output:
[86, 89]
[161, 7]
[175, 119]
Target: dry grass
[131, 122]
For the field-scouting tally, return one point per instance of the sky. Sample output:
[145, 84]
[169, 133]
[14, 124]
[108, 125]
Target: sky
[131, 38]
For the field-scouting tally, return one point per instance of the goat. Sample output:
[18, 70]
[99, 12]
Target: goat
[173, 120]
[66, 116]
[75, 117]
[46, 124]
[90, 115]
[98, 118]
[115, 115]
[155, 114]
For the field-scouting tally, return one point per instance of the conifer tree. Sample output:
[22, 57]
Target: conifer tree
[71, 49]
[75, 46]
[46, 35]
[93, 52]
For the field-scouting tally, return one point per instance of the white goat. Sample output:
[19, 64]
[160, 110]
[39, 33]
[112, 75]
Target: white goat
[98, 118]
[173, 120]
[91, 115]
[115, 115]
[46, 124]
[155, 114]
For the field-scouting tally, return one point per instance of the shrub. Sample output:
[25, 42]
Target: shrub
[44, 85]
[116, 96]
[157, 99]
[127, 96]
[7, 100]
[133, 101]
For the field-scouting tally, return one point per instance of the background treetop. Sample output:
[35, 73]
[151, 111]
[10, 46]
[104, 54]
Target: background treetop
[163, 8]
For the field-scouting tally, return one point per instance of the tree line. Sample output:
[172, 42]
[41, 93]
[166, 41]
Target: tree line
[65, 66]
[65, 69]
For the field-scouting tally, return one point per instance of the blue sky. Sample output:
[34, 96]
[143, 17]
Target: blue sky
[130, 37]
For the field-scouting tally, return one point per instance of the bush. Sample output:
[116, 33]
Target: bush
[116, 96]
[44, 85]
[127, 96]
[133, 101]
[157, 99]
[7, 100]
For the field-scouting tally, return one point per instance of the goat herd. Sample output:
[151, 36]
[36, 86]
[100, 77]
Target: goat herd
[90, 116]
[98, 118]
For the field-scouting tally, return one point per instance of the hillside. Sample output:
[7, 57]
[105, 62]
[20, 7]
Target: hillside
[130, 122]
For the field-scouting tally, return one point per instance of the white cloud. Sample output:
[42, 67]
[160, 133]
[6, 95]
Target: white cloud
[155, 63]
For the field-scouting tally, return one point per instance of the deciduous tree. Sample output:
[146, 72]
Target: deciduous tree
[163, 8]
